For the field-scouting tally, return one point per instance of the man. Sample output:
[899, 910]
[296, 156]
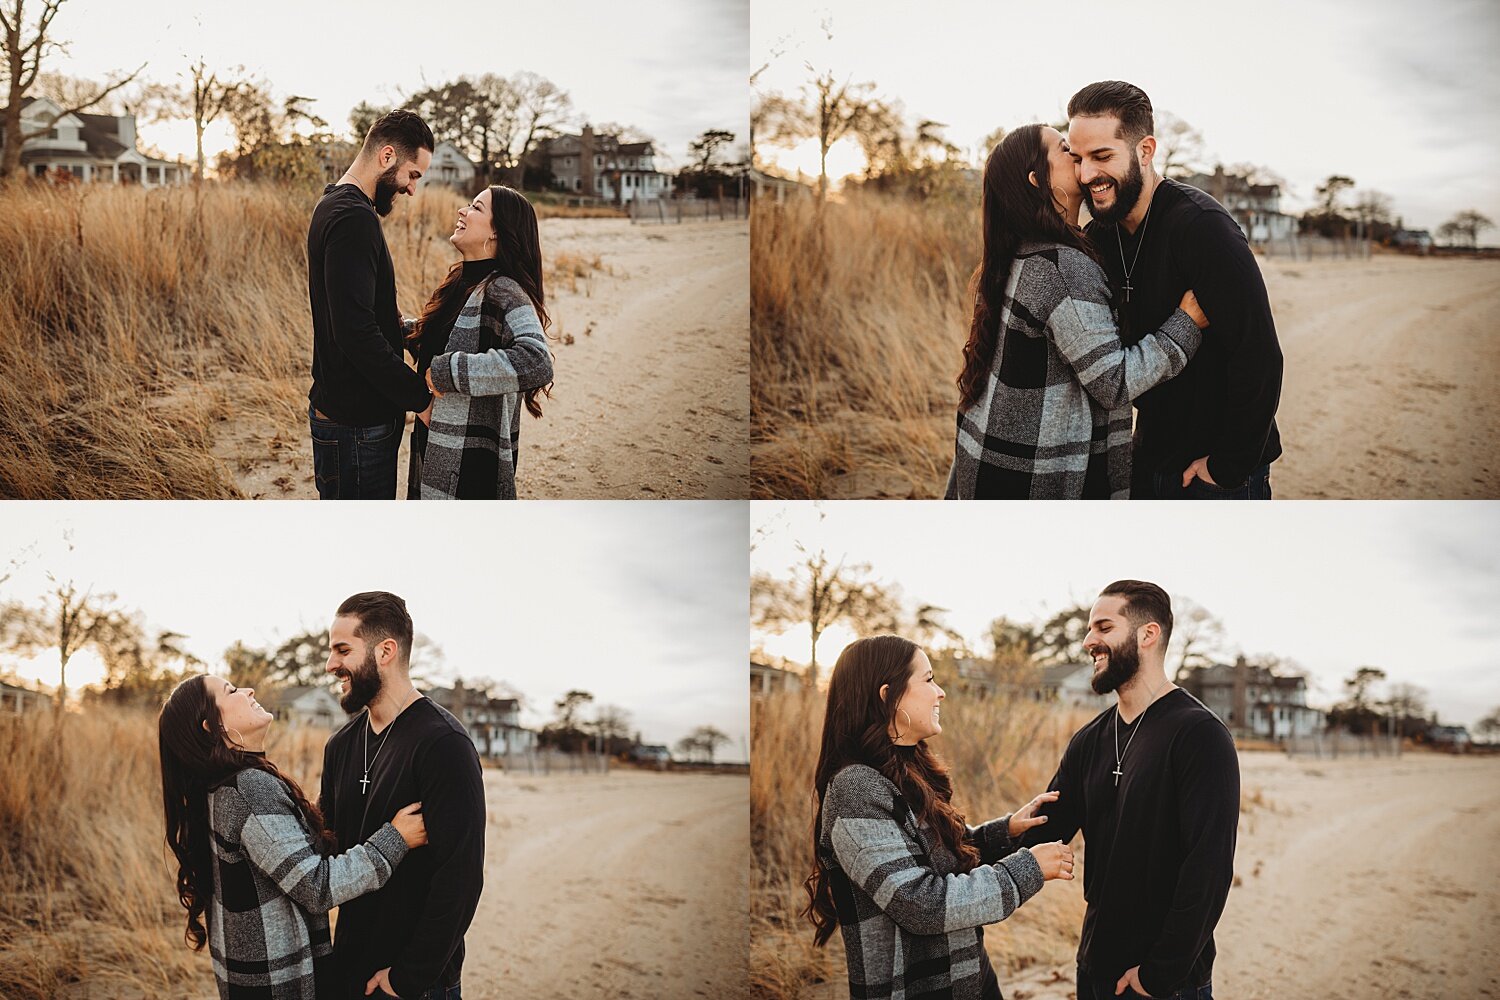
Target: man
[1154, 784]
[1209, 433]
[407, 939]
[362, 388]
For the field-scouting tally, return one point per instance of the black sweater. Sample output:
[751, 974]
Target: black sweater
[359, 375]
[1159, 847]
[414, 925]
[1223, 405]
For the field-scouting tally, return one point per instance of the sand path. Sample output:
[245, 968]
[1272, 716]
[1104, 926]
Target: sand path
[634, 884]
[1357, 878]
[652, 395]
[1392, 379]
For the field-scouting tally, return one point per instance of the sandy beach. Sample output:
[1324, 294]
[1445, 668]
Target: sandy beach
[1391, 378]
[651, 357]
[632, 885]
[1354, 879]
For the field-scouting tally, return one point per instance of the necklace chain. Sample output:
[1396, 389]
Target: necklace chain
[1120, 242]
[368, 761]
[1120, 754]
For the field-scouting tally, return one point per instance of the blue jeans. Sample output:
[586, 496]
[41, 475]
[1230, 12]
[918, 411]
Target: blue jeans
[355, 463]
[1168, 486]
[1095, 989]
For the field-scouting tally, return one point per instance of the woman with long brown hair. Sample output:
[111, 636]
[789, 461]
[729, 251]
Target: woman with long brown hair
[254, 869]
[1046, 385]
[896, 868]
[481, 344]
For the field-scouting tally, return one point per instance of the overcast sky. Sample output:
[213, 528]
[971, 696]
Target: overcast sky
[642, 604]
[672, 68]
[1403, 585]
[1402, 97]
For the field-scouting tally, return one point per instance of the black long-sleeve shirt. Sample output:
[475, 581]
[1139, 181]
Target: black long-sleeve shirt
[414, 925]
[1159, 846]
[359, 375]
[1223, 404]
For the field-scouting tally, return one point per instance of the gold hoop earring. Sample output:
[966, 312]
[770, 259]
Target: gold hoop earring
[239, 737]
[897, 738]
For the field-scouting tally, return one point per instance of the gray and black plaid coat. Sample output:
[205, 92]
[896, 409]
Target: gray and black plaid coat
[496, 352]
[908, 917]
[268, 919]
[1060, 386]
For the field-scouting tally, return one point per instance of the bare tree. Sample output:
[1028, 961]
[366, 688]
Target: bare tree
[208, 98]
[1468, 225]
[542, 109]
[820, 594]
[27, 43]
[1179, 146]
[1198, 635]
[828, 111]
[704, 148]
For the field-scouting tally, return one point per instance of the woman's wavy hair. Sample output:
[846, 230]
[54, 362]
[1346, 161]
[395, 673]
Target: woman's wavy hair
[856, 730]
[518, 256]
[1014, 211]
[197, 756]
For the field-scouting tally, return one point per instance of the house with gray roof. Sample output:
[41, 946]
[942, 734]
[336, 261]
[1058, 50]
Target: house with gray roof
[90, 148]
[601, 166]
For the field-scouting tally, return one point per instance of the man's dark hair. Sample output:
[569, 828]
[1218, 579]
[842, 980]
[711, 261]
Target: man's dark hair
[1125, 101]
[404, 130]
[1144, 602]
[381, 616]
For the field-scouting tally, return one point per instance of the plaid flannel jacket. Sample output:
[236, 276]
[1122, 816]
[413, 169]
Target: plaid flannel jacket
[907, 916]
[496, 352]
[1060, 385]
[268, 919]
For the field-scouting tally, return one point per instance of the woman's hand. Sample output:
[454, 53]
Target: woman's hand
[433, 389]
[408, 823]
[1025, 818]
[1191, 307]
[1056, 860]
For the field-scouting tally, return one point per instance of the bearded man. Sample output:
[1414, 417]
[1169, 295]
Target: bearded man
[1154, 784]
[407, 939]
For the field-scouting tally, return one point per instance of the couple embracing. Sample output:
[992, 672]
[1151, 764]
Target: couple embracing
[395, 841]
[1152, 782]
[1158, 302]
[479, 344]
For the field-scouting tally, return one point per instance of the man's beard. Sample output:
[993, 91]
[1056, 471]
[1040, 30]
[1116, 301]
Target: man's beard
[386, 190]
[1127, 193]
[364, 685]
[1121, 666]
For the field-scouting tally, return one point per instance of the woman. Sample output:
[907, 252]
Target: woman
[252, 854]
[481, 343]
[895, 864]
[1046, 386]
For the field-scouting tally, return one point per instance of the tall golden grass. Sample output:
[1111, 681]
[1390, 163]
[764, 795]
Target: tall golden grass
[1001, 751]
[88, 905]
[858, 321]
[138, 326]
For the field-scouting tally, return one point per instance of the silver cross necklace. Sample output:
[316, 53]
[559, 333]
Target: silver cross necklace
[1121, 243]
[366, 759]
[1120, 754]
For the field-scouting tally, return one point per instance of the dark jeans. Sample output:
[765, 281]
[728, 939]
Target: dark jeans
[355, 463]
[1098, 989]
[435, 993]
[1168, 486]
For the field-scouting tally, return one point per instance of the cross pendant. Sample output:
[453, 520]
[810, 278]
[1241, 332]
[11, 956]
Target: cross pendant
[1116, 772]
[1128, 289]
[364, 785]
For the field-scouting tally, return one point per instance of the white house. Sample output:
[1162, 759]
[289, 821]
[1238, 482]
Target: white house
[90, 148]
[601, 166]
[304, 705]
[493, 724]
[1252, 701]
[16, 699]
[450, 168]
[765, 678]
[1071, 684]
[1256, 207]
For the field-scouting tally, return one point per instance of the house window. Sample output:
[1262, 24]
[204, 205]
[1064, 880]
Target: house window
[598, 161]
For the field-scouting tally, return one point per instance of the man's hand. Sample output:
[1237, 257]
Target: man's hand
[382, 980]
[1025, 818]
[1132, 977]
[1198, 469]
[426, 415]
[430, 387]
